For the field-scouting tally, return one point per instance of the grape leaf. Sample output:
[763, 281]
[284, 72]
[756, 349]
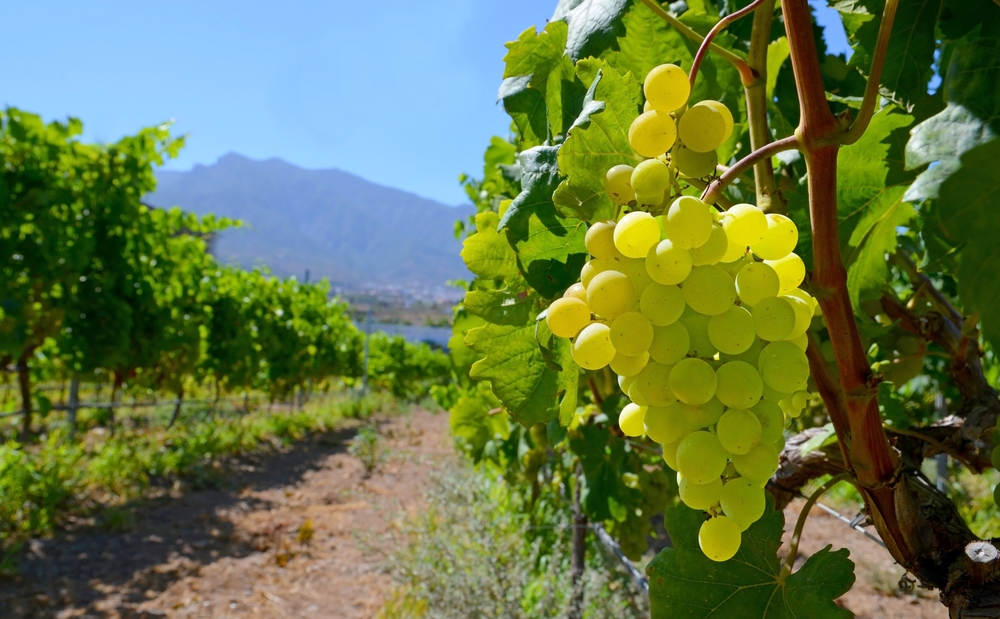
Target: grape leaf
[597, 141]
[530, 61]
[522, 381]
[487, 253]
[960, 17]
[603, 457]
[472, 424]
[966, 209]
[873, 238]
[648, 41]
[684, 584]
[972, 117]
[501, 307]
[591, 25]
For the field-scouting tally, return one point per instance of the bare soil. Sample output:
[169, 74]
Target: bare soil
[304, 533]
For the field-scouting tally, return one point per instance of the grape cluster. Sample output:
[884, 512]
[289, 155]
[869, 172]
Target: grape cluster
[700, 315]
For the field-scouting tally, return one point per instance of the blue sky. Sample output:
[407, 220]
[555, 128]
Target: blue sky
[400, 95]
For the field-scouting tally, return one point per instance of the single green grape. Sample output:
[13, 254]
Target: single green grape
[592, 349]
[600, 240]
[702, 128]
[745, 224]
[595, 266]
[750, 355]
[693, 381]
[618, 184]
[713, 250]
[734, 253]
[733, 331]
[665, 424]
[757, 281]
[662, 305]
[631, 420]
[669, 344]
[693, 164]
[610, 294]
[780, 239]
[697, 328]
[650, 177]
[803, 315]
[709, 290]
[802, 342]
[651, 134]
[739, 384]
[701, 458]
[636, 233]
[738, 431]
[771, 418]
[670, 451]
[666, 88]
[628, 365]
[652, 383]
[705, 415]
[783, 366]
[635, 269]
[758, 464]
[727, 116]
[567, 317]
[774, 318]
[631, 333]
[578, 291]
[689, 222]
[774, 395]
[719, 538]
[743, 501]
[668, 264]
[700, 496]
[791, 271]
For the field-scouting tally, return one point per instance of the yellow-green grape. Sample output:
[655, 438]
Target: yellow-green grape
[631, 420]
[628, 365]
[670, 451]
[700, 496]
[592, 349]
[779, 445]
[701, 458]
[739, 384]
[653, 385]
[745, 224]
[665, 424]
[742, 501]
[595, 266]
[774, 318]
[757, 281]
[772, 394]
[635, 394]
[789, 408]
[702, 415]
[808, 298]
[666, 87]
[697, 328]
[578, 291]
[693, 164]
[600, 240]
[688, 222]
[652, 134]
[670, 344]
[635, 268]
[713, 250]
[995, 457]
[791, 271]
[566, 317]
[801, 341]
[738, 431]
[702, 128]
[709, 290]
[624, 382]
[648, 200]
[734, 253]
[803, 315]
[733, 331]
[772, 420]
[636, 233]
[662, 305]
[610, 294]
[783, 366]
[618, 184]
[780, 239]
[668, 264]
[650, 177]
[631, 333]
[721, 108]
[758, 464]
[693, 381]
[733, 267]
[719, 538]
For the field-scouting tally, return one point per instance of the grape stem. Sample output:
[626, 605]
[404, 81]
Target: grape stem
[746, 74]
[769, 198]
[871, 97]
[793, 546]
[714, 190]
[923, 437]
[725, 21]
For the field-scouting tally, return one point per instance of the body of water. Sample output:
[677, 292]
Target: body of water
[413, 333]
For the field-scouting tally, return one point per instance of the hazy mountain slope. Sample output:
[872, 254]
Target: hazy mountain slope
[331, 222]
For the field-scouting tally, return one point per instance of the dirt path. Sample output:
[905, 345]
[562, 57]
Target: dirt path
[246, 552]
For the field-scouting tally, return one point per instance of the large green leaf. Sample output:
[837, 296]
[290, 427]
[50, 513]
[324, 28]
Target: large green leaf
[971, 118]
[603, 457]
[591, 25]
[512, 362]
[648, 41]
[967, 209]
[874, 237]
[684, 584]
[501, 307]
[473, 423]
[960, 17]
[487, 253]
[597, 141]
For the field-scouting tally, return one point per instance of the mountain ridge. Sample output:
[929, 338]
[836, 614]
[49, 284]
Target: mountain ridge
[336, 224]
